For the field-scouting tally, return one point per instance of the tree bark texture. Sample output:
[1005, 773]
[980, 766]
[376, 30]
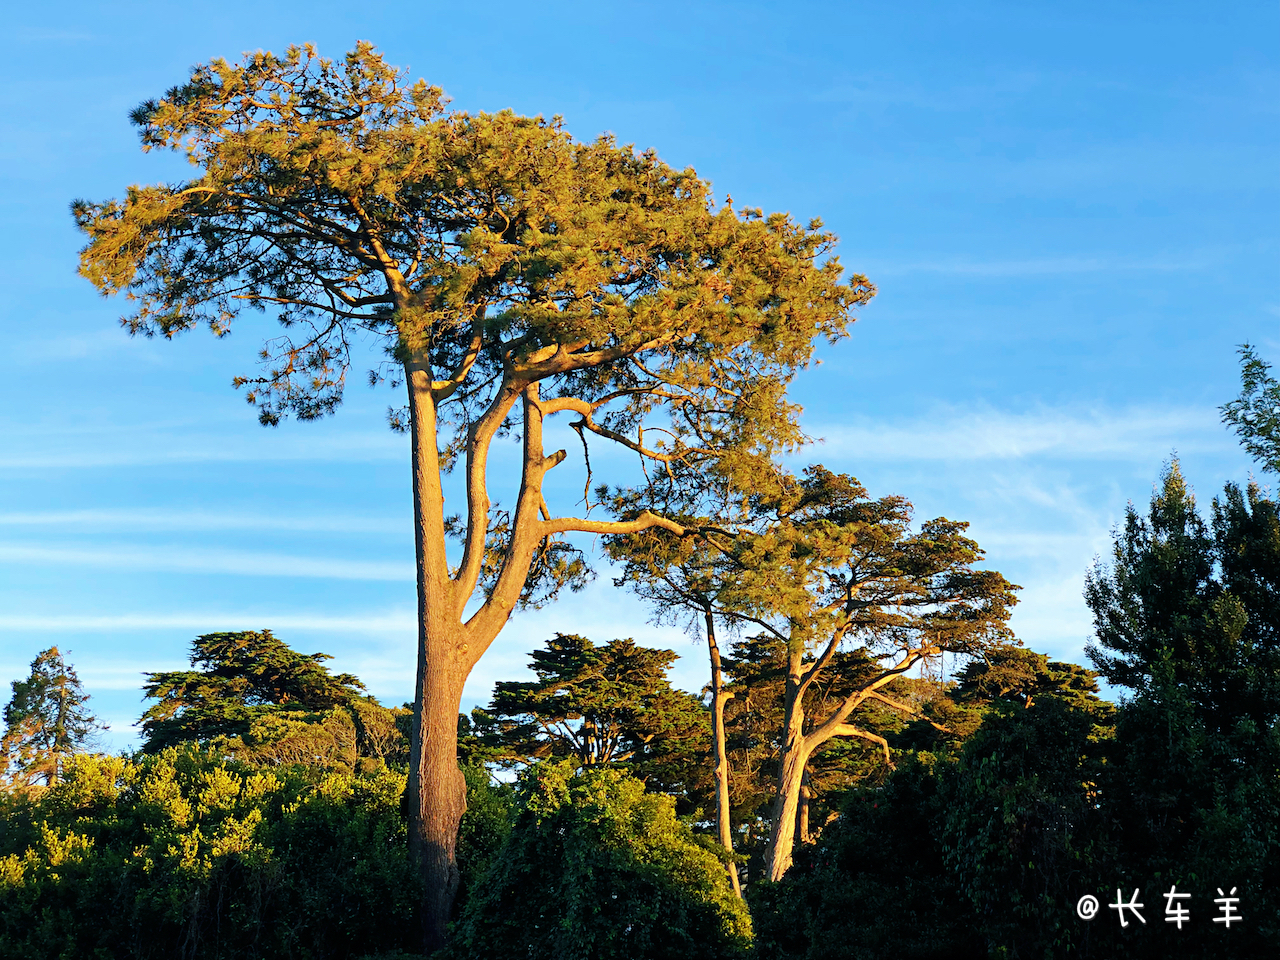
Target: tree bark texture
[786, 807]
[791, 765]
[802, 818]
[437, 790]
[719, 696]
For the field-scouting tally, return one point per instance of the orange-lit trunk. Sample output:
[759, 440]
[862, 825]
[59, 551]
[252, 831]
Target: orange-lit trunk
[791, 766]
[437, 791]
[718, 699]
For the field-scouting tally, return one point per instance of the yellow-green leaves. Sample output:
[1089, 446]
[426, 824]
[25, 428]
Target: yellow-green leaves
[342, 200]
[189, 852]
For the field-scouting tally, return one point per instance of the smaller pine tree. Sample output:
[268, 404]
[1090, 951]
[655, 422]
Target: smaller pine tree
[45, 722]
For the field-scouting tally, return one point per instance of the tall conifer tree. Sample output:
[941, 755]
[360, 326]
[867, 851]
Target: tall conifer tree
[44, 722]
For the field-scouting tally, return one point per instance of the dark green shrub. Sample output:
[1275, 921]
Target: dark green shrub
[595, 868]
[875, 885]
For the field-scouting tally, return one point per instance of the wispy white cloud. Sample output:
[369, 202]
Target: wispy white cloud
[1017, 544]
[221, 435]
[139, 519]
[1043, 488]
[201, 620]
[1136, 434]
[100, 676]
[176, 559]
[122, 450]
[1053, 617]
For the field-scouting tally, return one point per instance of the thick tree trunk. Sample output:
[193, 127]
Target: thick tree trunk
[437, 791]
[791, 764]
[447, 647]
[718, 699]
[437, 798]
[786, 809]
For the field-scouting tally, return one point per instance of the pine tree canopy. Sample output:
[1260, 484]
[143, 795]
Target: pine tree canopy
[492, 248]
[1255, 414]
[237, 677]
[45, 722]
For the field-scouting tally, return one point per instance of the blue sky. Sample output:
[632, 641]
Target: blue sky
[1072, 213]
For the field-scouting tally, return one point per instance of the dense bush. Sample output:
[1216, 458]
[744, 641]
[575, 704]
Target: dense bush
[876, 886]
[1022, 827]
[986, 854]
[186, 854]
[596, 868]
[483, 831]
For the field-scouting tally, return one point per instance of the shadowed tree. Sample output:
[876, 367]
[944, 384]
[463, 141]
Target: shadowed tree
[1186, 618]
[1192, 606]
[756, 722]
[1161, 611]
[45, 722]
[967, 848]
[822, 570]
[260, 700]
[511, 275]
[1017, 675]
[598, 705]
[235, 676]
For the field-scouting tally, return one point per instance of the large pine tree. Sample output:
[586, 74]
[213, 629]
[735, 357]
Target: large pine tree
[512, 276]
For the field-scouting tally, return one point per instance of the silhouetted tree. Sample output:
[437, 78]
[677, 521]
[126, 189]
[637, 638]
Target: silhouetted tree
[1255, 414]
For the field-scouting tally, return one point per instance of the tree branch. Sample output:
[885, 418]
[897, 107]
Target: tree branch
[645, 521]
[824, 731]
[443, 389]
[849, 730]
[479, 438]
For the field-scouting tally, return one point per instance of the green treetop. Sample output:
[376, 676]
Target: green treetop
[45, 722]
[1014, 674]
[821, 569]
[1255, 414]
[599, 705]
[257, 698]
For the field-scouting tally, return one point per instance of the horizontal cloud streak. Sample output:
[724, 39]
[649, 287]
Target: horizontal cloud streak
[159, 450]
[1139, 434]
[156, 519]
[173, 441]
[234, 562]
[1032, 266]
[208, 621]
